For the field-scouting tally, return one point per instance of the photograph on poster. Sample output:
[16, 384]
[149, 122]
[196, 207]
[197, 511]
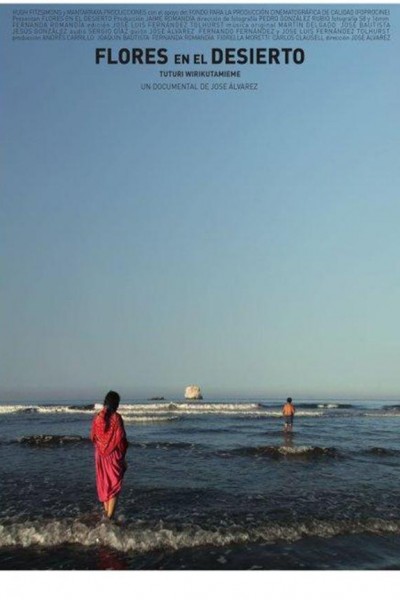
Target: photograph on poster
[200, 286]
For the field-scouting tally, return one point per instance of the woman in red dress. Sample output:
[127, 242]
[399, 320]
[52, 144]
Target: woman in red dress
[109, 438]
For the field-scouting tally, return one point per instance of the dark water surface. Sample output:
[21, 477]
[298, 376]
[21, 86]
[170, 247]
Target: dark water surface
[210, 485]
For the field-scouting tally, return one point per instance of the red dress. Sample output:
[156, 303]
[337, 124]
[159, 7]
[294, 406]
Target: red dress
[110, 450]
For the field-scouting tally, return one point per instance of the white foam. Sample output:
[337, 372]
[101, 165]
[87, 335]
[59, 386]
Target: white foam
[299, 413]
[295, 449]
[62, 409]
[143, 538]
[163, 411]
[168, 408]
[149, 419]
[14, 408]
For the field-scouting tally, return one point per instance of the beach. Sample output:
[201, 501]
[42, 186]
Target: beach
[213, 485]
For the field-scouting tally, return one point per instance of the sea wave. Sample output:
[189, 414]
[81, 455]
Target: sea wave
[378, 451]
[46, 440]
[186, 406]
[313, 405]
[333, 405]
[51, 440]
[16, 408]
[143, 537]
[63, 410]
[162, 409]
[281, 451]
[383, 414]
[149, 419]
[278, 451]
[164, 445]
[24, 408]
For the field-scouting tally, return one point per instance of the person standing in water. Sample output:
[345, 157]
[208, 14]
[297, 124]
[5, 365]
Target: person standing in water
[109, 439]
[288, 411]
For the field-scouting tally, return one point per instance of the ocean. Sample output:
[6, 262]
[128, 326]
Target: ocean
[213, 485]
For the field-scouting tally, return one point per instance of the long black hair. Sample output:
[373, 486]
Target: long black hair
[111, 403]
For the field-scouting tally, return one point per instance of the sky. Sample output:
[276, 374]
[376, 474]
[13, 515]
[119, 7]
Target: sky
[246, 242]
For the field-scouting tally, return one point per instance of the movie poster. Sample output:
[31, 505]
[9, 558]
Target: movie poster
[199, 365]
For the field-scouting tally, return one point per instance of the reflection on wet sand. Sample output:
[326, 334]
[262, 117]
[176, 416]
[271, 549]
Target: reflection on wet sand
[109, 560]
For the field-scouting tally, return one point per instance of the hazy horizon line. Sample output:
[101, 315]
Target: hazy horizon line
[87, 396]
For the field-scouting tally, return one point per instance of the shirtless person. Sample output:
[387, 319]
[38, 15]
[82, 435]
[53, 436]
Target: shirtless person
[288, 411]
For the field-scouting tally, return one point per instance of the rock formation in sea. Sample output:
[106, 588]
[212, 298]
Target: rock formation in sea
[192, 392]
